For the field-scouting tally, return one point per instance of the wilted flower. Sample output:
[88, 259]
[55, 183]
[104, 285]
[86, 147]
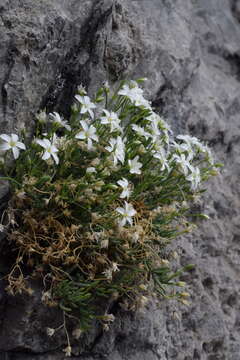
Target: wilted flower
[109, 317]
[125, 186]
[68, 351]
[50, 332]
[57, 120]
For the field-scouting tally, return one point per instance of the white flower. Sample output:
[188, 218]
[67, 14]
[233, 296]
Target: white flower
[130, 92]
[183, 147]
[159, 128]
[140, 131]
[2, 228]
[88, 133]
[117, 147]
[125, 186]
[135, 94]
[183, 162]
[90, 170]
[127, 213]
[112, 119]
[87, 105]
[108, 273]
[11, 142]
[135, 165]
[191, 140]
[50, 149]
[194, 177]
[57, 120]
[115, 267]
[161, 155]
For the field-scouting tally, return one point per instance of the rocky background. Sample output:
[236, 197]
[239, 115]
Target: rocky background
[190, 52]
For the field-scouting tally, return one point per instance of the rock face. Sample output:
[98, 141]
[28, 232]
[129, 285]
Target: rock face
[190, 52]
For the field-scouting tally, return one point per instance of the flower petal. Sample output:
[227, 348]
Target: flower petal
[4, 147]
[46, 155]
[15, 152]
[55, 158]
[14, 137]
[41, 143]
[81, 135]
[5, 137]
[120, 210]
[21, 145]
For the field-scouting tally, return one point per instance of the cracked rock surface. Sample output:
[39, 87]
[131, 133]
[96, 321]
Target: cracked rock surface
[190, 52]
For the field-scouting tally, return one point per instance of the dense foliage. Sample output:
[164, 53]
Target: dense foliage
[96, 199]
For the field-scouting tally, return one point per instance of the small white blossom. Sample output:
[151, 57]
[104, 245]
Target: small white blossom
[112, 119]
[50, 149]
[191, 140]
[183, 147]
[87, 105]
[115, 267]
[194, 177]
[127, 213]
[161, 155]
[125, 187]
[11, 142]
[88, 133]
[135, 94]
[135, 165]
[108, 273]
[56, 118]
[117, 147]
[140, 131]
[183, 162]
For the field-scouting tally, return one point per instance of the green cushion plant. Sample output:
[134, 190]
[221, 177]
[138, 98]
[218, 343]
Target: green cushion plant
[96, 199]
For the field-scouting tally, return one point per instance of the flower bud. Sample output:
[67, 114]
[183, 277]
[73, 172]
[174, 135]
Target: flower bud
[50, 331]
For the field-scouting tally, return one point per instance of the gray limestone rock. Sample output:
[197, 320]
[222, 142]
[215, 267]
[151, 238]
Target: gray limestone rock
[190, 53]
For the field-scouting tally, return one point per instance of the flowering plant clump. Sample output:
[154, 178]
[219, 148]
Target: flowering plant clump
[98, 197]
